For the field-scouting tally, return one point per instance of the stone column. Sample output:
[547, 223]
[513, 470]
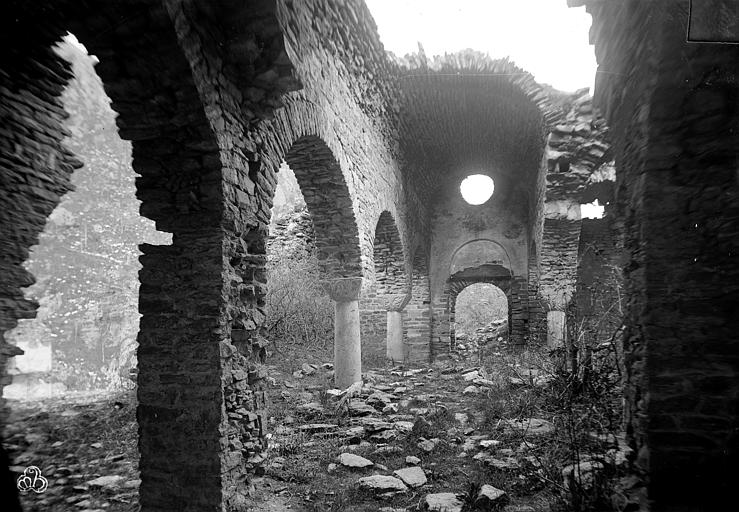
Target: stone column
[347, 343]
[556, 328]
[395, 345]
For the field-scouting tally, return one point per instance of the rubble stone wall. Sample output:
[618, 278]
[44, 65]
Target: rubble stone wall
[36, 171]
[193, 384]
[292, 235]
[598, 300]
[417, 314]
[673, 108]
[469, 237]
[233, 89]
[386, 289]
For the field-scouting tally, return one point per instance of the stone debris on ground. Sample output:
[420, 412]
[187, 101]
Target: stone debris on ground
[443, 502]
[354, 461]
[383, 411]
[382, 484]
[489, 497]
[412, 476]
[377, 418]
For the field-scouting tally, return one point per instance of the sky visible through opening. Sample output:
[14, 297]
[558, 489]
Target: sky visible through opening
[544, 37]
[477, 188]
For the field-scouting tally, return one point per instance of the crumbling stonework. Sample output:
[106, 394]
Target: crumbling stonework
[598, 300]
[672, 109]
[234, 89]
[579, 170]
[292, 235]
[386, 290]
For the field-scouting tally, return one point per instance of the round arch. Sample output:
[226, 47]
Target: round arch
[298, 135]
[488, 294]
[389, 257]
[461, 280]
[177, 157]
[330, 205]
[481, 256]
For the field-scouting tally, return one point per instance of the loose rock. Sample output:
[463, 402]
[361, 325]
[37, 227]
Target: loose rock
[412, 476]
[351, 460]
[382, 484]
[443, 502]
[489, 498]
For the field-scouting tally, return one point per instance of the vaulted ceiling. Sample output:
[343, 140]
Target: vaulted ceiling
[466, 113]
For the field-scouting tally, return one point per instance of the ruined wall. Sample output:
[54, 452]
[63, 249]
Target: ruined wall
[86, 263]
[292, 235]
[455, 223]
[349, 108]
[347, 105]
[672, 107]
[598, 302]
[578, 171]
[183, 347]
[386, 289]
[417, 314]
[36, 170]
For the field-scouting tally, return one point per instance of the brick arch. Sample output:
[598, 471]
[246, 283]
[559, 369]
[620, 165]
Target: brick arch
[184, 353]
[389, 258]
[300, 134]
[330, 205]
[481, 255]
[461, 280]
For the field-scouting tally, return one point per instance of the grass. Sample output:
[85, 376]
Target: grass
[304, 478]
[73, 443]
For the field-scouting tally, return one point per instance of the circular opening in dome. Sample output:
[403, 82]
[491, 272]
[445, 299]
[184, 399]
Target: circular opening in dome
[477, 188]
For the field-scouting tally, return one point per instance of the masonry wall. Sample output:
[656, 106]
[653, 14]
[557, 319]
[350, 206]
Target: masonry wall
[36, 173]
[388, 288]
[373, 325]
[537, 308]
[501, 220]
[672, 106]
[559, 261]
[417, 314]
[180, 353]
[598, 302]
[577, 159]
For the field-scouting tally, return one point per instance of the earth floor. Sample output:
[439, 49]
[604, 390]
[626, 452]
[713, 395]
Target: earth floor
[463, 423]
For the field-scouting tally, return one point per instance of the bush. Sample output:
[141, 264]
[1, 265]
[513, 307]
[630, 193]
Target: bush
[299, 312]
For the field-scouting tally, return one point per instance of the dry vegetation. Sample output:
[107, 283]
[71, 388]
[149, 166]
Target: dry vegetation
[576, 417]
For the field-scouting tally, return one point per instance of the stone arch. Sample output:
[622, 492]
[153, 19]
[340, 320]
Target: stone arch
[481, 256]
[391, 283]
[329, 202]
[299, 134]
[184, 353]
[458, 288]
[330, 205]
[389, 262]
[479, 260]
[459, 281]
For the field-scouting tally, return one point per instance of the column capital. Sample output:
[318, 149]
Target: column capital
[343, 289]
[396, 301]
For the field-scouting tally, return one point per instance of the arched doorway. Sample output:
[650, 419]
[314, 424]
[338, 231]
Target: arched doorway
[479, 316]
